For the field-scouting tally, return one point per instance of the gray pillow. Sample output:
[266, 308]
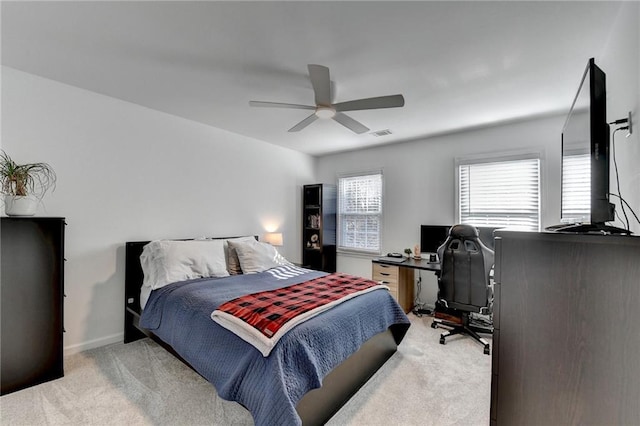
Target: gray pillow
[233, 263]
[255, 256]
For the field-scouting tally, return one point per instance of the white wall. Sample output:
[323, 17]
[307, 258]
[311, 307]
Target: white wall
[129, 173]
[419, 181]
[621, 62]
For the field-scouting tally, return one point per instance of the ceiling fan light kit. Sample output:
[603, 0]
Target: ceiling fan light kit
[321, 82]
[325, 112]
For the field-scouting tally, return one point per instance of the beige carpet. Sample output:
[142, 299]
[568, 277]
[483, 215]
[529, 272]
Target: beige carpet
[425, 383]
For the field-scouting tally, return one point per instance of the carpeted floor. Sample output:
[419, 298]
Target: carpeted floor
[424, 383]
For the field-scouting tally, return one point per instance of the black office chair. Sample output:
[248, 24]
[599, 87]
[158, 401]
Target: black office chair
[464, 285]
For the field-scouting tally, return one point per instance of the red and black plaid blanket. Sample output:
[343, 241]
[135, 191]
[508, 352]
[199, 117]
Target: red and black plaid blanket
[269, 311]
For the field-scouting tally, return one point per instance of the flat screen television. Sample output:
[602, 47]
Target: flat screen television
[585, 140]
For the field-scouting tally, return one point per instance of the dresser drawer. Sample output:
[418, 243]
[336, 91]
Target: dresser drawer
[385, 273]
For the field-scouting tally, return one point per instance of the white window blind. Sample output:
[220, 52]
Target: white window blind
[576, 188]
[360, 212]
[500, 194]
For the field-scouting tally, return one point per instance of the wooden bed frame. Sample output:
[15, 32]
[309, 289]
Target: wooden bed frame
[318, 405]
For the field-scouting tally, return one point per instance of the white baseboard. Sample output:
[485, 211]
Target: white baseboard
[95, 343]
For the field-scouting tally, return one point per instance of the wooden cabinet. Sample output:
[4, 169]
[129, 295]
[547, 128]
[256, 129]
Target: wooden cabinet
[319, 227]
[31, 297]
[566, 329]
[399, 280]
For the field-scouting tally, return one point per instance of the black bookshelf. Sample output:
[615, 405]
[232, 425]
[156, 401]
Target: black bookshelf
[319, 227]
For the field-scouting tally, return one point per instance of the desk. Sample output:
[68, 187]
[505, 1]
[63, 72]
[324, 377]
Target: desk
[400, 278]
[412, 263]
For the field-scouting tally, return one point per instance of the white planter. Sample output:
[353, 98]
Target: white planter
[20, 206]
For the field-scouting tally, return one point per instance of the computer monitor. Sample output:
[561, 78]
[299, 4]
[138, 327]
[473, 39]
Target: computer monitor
[432, 237]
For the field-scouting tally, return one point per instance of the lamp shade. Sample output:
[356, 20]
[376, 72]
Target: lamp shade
[273, 238]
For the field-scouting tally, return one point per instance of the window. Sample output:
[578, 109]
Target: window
[576, 188]
[360, 212]
[500, 193]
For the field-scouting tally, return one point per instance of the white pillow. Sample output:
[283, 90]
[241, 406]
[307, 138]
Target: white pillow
[233, 263]
[256, 256]
[166, 262]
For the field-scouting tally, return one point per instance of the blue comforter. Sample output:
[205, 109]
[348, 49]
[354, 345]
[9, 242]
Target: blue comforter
[269, 387]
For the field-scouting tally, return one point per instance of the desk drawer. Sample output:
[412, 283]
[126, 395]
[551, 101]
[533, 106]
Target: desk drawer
[400, 280]
[385, 273]
[393, 293]
[393, 286]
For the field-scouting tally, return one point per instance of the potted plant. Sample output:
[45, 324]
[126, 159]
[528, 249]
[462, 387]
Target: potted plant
[24, 185]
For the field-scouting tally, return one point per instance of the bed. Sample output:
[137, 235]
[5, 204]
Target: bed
[314, 369]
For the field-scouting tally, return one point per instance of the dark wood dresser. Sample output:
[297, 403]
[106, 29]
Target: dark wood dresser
[31, 297]
[566, 339]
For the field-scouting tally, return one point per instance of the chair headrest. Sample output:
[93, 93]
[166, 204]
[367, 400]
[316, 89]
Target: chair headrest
[463, 231]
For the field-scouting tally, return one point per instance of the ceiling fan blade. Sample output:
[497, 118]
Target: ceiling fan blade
[304, 123]
[279, 105]
[350, 123]
[391, 101]
[321, 83]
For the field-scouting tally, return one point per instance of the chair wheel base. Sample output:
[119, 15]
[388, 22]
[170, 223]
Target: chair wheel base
[465, 328]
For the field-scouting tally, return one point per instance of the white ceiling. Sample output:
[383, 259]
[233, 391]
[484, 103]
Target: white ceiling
[458, 64]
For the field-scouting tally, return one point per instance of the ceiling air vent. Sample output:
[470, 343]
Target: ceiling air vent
[379, 133]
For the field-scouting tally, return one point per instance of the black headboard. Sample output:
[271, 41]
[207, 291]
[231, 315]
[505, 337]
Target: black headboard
[133, 274]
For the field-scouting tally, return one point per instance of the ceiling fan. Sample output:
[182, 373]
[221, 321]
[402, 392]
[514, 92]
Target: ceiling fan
[325, 109]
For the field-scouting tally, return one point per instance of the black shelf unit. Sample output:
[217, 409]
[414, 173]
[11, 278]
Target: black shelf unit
[319, 227]
[31, 295]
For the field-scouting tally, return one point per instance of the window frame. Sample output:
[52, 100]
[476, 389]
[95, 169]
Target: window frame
[351, 250]
[497, 158]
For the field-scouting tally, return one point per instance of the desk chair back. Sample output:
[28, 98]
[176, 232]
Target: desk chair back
[466, 263]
